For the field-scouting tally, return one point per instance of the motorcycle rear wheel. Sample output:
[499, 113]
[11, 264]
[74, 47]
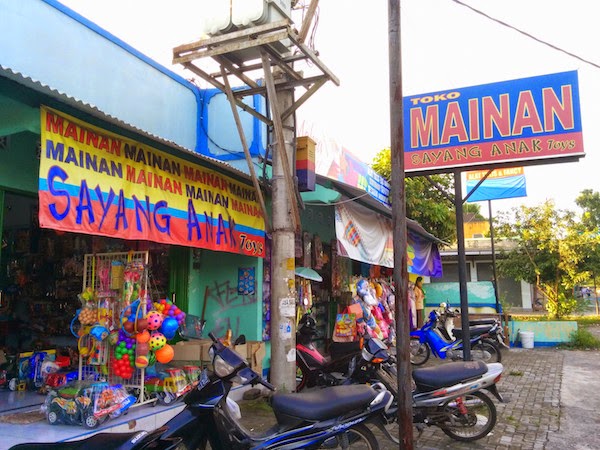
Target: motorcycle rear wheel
[301, 379]
[486, 351]
[477, 423]
[360, 437]
[419, 351]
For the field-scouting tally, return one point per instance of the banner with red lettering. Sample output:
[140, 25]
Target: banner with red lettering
[529, 119]
[96, 182]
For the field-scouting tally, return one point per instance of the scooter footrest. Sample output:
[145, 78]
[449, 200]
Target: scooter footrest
[431, 378]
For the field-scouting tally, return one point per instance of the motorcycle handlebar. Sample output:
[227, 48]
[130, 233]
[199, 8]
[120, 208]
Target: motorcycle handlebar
[266, 384]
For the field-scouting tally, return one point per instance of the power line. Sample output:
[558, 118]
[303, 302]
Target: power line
[541, 41]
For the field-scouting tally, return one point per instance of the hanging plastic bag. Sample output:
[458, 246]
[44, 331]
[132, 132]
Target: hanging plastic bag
[345, 328]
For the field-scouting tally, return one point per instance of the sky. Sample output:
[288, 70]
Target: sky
[445, 45]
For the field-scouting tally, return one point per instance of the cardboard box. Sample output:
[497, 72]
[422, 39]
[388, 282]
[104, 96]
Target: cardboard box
[241, 349]
[192, 351]
[256, 354]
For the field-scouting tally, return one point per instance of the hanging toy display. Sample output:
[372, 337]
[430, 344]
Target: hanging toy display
[169, 309]
[132, 318]
[124, 355]
[155, 320]
[131, 284]
[142, 349]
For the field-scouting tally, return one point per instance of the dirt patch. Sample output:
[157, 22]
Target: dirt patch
[22, 418]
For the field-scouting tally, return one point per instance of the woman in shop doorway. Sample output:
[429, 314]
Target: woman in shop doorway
[419, 301]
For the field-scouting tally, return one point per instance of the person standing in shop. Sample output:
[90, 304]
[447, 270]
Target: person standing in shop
[419, 301]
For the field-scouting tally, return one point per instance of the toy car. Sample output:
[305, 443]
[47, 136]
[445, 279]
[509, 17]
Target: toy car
[169, 386]
[86, 403]
[58, 379]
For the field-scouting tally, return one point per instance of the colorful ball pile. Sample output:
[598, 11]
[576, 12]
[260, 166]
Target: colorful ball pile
[124, 360]
[155, 320]
[168, 309]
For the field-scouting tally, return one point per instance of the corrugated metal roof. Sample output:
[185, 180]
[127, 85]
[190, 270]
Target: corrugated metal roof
[43, 88]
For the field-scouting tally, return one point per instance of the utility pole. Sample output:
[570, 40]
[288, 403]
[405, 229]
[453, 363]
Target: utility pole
[278, 49]
[283, 289]
[404, 397]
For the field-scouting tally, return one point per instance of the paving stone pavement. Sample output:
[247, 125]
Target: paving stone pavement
[531, 383]
[529, 420]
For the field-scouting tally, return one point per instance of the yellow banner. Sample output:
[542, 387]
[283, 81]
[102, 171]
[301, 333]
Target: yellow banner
[97, 182]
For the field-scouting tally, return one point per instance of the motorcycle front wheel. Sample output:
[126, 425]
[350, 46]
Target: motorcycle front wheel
[359, 437]
[477, 419]
[419, 352]
[486, 351]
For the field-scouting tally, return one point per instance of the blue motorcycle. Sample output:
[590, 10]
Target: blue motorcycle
[429, 339]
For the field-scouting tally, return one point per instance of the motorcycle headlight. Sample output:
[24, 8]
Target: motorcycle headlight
[222, 368]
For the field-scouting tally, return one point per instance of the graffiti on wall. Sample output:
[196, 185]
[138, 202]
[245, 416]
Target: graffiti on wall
[231, 307]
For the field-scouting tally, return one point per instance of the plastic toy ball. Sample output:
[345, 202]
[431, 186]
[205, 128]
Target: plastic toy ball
[141, 362]
[155, 320]
[157, 341]
[169, 327]
[143, 336]
[165, 354]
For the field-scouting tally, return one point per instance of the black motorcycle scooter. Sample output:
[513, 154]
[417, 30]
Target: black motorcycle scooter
[332, 417]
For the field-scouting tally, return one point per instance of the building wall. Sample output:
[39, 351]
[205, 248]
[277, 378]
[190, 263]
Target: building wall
[225, 307]
[476, 228]
[74, 56]
[510, 292]
[19, 165]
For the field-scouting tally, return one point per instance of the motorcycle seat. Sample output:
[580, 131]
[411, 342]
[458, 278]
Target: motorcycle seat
[321, 404]
[490, 321]
[474, 331]
[431, 378]
[100, 441]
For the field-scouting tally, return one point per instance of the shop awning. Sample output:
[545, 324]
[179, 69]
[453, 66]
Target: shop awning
[367, 237]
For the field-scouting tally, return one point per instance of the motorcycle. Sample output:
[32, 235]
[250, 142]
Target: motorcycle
[449, 396]
[494, 333]
[315, 369]
[429, 339]
[332, 417]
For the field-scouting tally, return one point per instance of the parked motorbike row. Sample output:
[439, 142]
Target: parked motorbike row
[438, 336]
[451, 396]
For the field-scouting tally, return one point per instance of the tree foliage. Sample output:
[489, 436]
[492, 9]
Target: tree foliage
[589, 202]
[425, 203]
[550, 252]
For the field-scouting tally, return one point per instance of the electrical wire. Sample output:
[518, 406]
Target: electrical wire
[337, 203]
[541, 41]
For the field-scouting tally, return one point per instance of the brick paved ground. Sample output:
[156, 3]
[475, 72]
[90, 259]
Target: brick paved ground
[531, 382]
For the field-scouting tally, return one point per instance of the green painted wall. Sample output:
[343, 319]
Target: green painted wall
[545, 333]
[480, 296]
[225, 307]
[319, 220]
[19, 165]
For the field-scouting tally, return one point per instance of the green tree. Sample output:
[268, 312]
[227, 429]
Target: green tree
[426, 204]
[550, 247]
[589, 202]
